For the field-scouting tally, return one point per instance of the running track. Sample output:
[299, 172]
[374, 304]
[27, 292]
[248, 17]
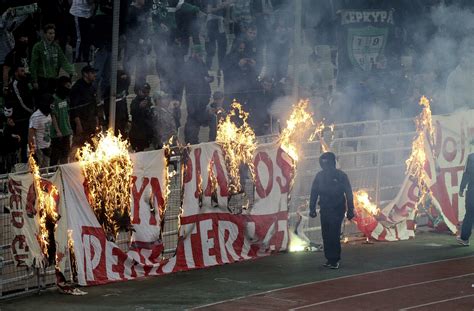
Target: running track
[440, 285]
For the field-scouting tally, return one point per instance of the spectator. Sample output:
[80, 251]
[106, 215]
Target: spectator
[84, 107]
[262, 13]
[241, 16]
[216, 32]
[82, 10]
[138, 43]
[164, 124]
[259, 106]
[39, 139]
[187, 22]
[121, 105]
[141, 132]
[61, 130]
[278, 54]
[101, 39]
[198, 91]
[173, 82]
[164, 29]
[240, 73]
[215, 109]
[252, 48]
[20, 106]
[47, 59]
[10, 142]
[10, 21]
[16, 57]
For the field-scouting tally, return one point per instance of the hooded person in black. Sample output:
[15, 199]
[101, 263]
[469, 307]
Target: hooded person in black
[467, 181]
[334, 191]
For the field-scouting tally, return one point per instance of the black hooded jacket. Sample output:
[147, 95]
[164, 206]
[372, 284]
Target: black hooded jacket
[331, 186]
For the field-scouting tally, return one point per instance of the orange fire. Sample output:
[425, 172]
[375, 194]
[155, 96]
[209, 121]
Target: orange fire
[45, 205]
[297, 126]
[238, 142]
[298, 122]
[363, 203]
[425, 132]
[107, 170]
[213, 181]
[319, 134]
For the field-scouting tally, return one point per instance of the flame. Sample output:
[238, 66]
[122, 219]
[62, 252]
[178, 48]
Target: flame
[72, 256]
[425, 131]
[318, 134]
[297, 244]
[296, 127]
[238, 142]
[213, 182]
[299, 119]
[45, 205]
[107, 170]
[363, 203]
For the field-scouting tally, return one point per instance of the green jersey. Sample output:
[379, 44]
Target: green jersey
[60, 111]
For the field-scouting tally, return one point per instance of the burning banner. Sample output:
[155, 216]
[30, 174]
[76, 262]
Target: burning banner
[397, 220]
[444, 167]
[107, 171]
[100, 260]
[393, 223]
[38, 220]
[209, 234]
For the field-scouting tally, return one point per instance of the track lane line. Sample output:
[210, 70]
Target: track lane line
[381, 291]
[328, 280]
[436, 302]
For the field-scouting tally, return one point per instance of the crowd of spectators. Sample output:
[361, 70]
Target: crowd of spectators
[56, 58]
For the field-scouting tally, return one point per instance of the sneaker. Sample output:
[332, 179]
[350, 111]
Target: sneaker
[327, 264]
[334, 266]
[462, 242]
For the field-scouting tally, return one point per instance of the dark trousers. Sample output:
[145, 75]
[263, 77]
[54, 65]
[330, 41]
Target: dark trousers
[46, 85]
[214, 38]
[192, 127]
[60, 148]
[331, 222]
[466, 228]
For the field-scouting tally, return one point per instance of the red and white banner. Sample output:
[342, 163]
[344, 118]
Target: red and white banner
[448, 156]
[25, 220]
[444, 167]
[396, 220]
[209, 234]
[100, 261]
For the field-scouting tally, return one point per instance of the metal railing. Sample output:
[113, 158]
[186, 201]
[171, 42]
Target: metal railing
[372, 153]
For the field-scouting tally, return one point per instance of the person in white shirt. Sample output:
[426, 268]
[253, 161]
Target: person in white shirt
[39, 139]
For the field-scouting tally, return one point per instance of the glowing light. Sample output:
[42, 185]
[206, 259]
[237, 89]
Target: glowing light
[238, 143]
[363, 203]
[425, 133]
[45, 203]
[298, 122]
[297, 244]
[107, 170]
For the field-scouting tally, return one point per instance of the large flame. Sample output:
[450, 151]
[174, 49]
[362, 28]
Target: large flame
[238, 142]
[107, 170]
[297, 126]
[45, 204]
[299, 120]
[319, 134]
[72, 256]
[363, 203]
[425, 132]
